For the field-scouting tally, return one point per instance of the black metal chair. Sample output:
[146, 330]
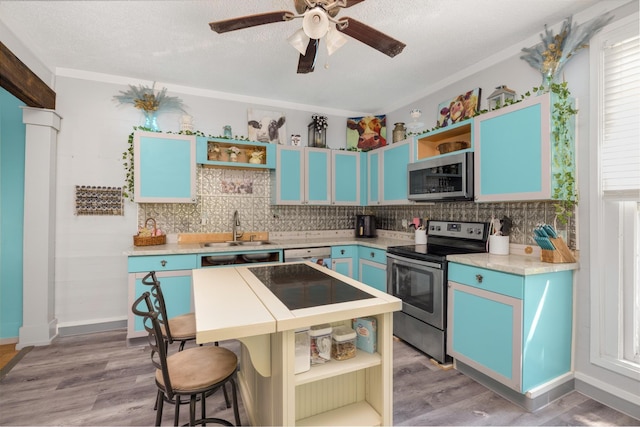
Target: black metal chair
[196, 372]
[180, 328]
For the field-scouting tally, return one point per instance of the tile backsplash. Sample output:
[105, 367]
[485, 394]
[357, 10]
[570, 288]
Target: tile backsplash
[223, 191]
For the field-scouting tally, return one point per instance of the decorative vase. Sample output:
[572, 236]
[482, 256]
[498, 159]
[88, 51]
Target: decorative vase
[227, 131]
[233, 157]
[150, 121]
[399, 132]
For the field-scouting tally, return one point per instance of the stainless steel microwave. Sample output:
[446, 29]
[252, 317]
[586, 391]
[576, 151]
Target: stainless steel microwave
[441, 178]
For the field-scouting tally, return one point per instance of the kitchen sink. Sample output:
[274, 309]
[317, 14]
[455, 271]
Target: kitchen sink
[254, 243]
[219, 244]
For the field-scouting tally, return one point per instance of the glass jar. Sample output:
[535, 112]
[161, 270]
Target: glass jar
[399, 132]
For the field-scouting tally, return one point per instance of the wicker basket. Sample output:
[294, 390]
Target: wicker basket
[150, 240]
[448, 147]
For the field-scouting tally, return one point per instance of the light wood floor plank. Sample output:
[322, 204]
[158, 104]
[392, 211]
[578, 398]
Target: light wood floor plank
[96, 379]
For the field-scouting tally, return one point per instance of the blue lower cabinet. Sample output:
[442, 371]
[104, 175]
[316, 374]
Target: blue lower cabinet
[343, 258]
[176, 288]
[372, 267]
[514, 329]
[174, 274]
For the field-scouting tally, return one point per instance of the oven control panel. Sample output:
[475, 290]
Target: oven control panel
[461, 230]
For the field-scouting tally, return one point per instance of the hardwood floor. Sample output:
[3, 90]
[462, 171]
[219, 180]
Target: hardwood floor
[96, 379]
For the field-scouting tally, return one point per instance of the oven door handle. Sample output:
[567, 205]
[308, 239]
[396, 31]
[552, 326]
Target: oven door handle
[409, 262]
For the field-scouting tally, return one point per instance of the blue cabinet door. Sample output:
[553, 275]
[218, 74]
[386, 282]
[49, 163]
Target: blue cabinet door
[514, 159]
[373, 181]
[317, 176]
[176, 288]
[343, 259]
[288, 177]
[165, 168]
[395, 159]
[485, 331]
[346, 177]
[372, 267]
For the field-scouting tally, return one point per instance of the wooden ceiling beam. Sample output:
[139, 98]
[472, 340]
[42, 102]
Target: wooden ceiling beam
[22, 83]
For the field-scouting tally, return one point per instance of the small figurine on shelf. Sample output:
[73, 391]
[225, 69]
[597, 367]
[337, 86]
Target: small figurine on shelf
[233, 152]
[214, 152]
[256, 156]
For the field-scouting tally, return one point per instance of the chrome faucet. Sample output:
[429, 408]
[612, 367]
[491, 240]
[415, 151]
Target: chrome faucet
[234, 226]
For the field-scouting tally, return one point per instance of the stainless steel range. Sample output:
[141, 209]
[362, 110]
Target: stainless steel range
[417, 274]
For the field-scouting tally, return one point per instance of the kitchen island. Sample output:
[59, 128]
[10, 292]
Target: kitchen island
[263, 306]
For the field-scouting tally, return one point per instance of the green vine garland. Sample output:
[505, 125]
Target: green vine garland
[127, 155]
[565, 194]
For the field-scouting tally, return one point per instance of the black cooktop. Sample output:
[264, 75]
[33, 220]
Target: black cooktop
[301, 286]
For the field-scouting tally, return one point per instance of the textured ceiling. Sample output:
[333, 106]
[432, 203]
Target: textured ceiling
[171, 42]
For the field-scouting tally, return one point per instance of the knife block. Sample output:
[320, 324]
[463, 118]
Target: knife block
[561, 254]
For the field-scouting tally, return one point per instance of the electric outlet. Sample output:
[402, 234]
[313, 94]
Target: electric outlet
[204, 221]
[405, 223]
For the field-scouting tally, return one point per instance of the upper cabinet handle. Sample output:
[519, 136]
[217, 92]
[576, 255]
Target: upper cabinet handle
[163, 263]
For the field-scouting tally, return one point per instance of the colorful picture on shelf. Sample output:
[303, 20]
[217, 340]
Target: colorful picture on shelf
[366, 133]
[459, 108]
[266, 126]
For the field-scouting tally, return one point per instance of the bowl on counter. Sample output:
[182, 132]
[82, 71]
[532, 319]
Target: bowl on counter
[448, 147]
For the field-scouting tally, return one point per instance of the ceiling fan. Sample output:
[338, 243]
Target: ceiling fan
[318, 21]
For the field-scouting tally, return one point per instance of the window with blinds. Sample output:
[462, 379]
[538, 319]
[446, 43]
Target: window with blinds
[615, 199]
[620, 149]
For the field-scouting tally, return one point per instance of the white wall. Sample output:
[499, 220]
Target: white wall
[91, 272]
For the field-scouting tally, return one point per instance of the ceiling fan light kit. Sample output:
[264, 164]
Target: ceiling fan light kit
[318, 21]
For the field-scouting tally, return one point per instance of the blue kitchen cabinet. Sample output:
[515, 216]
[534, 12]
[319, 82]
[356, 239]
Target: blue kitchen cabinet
[302, 176]
[343, 259]
[165, 168]
[348, 178]
[393, 186]
[514, 329]
[174, 274]
[514, 156]
[373, 179]
[206, 156]
[372, 267]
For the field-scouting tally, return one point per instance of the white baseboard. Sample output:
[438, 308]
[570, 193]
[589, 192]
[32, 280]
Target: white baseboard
[604, 392]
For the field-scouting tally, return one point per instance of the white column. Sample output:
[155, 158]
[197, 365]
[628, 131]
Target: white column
[39, 324]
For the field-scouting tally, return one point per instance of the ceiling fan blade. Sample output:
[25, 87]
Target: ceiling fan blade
[307, 62]
[250, 21]
[334, 11]
[353, 2]
[372, 37]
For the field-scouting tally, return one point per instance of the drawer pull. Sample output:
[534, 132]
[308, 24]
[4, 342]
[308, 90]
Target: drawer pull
[163, 263]
[341, 251]
[373, 254]
[479, 278]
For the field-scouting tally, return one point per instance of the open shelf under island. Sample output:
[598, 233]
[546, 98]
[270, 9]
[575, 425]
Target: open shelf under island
[257, 306]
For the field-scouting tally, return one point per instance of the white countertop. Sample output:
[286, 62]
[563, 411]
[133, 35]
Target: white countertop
[230, 302]
[380, 242]
[515, 264]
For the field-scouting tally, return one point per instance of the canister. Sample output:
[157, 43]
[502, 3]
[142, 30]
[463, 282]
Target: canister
[343, 343]
[320, 343]
[302, 363]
